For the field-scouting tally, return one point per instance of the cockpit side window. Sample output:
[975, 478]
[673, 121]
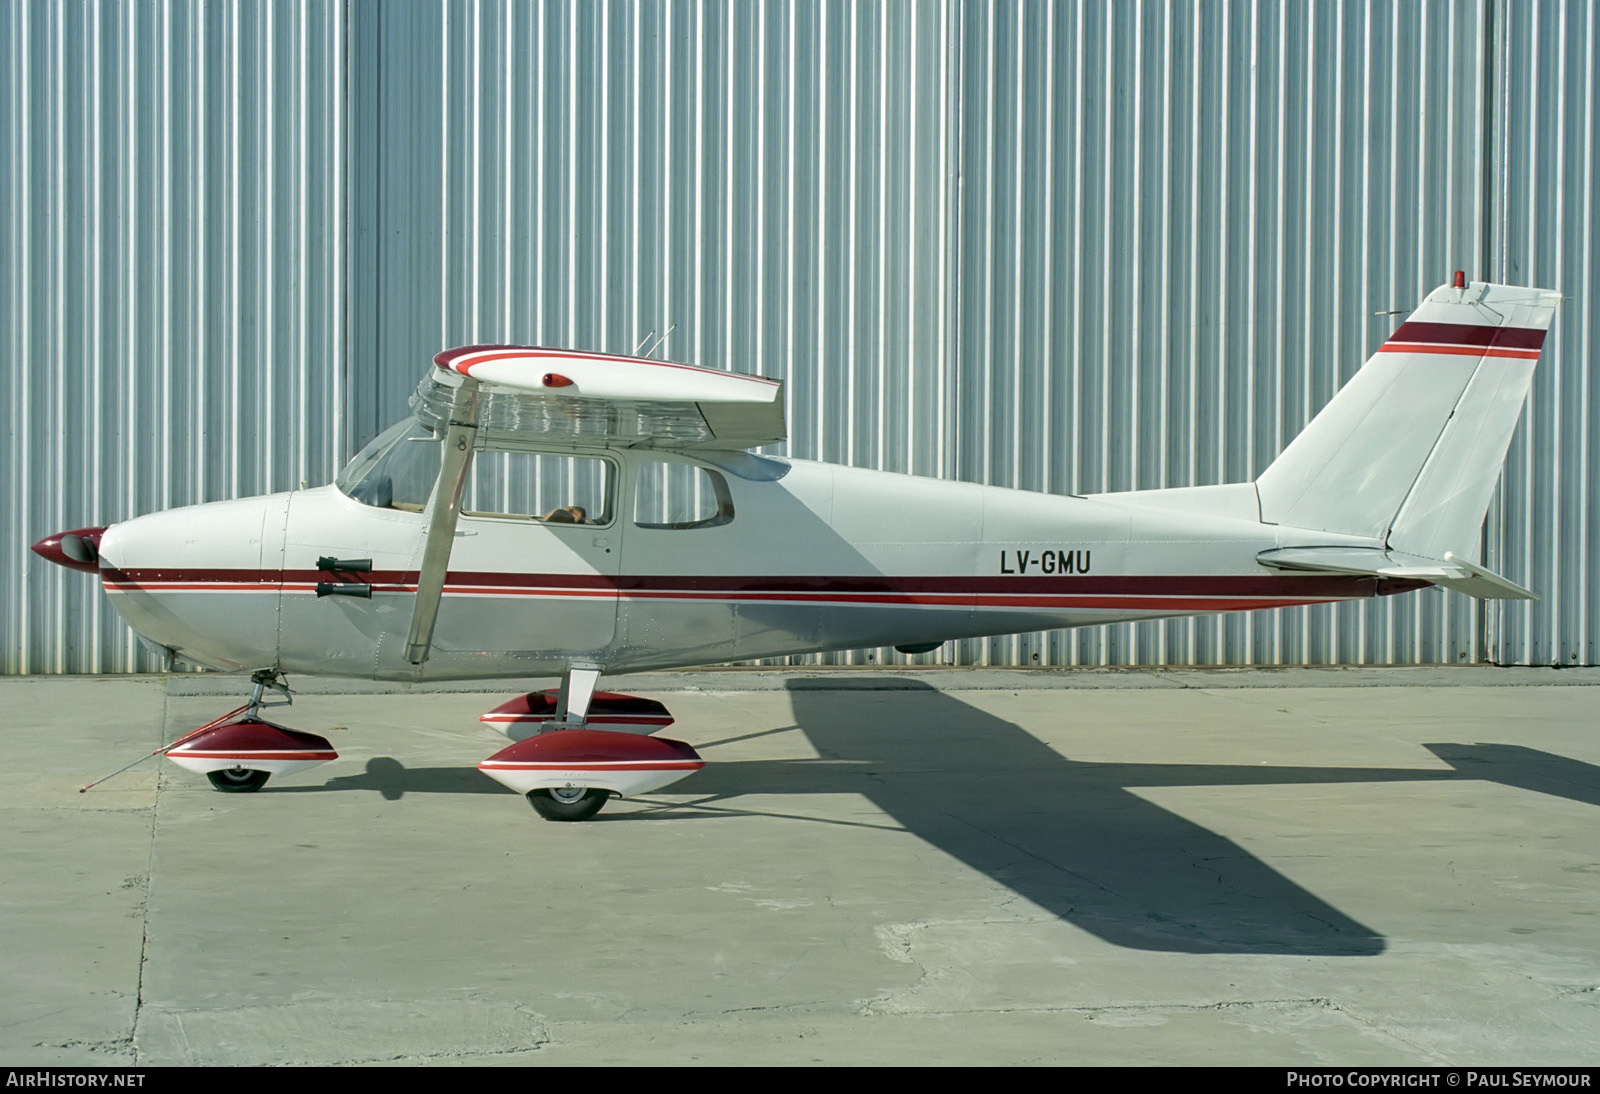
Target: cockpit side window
[544, 486]
[680, 495]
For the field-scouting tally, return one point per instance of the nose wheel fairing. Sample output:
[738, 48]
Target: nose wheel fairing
[239, 751]
[228, 750]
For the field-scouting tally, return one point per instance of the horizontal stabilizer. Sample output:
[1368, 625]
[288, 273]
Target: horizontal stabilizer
[1449, 572]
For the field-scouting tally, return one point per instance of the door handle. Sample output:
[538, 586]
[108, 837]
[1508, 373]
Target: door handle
[329, 588]
[340, 566]
[345, 565]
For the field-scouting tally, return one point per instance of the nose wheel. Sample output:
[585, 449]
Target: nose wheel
[567, 803]
[238, 780]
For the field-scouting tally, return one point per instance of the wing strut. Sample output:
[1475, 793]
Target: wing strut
[453, 468]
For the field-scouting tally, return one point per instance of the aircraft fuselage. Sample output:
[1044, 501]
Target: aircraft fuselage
[798, 557]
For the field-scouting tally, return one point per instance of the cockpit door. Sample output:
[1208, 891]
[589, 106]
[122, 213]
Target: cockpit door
[533, 569]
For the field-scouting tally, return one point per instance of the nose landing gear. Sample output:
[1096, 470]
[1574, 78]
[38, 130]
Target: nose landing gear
[239, 752]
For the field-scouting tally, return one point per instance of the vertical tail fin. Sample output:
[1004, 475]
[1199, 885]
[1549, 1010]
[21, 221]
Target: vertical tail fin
[1408, 452]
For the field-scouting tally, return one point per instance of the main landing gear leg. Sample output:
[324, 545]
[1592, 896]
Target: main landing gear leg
[577, 692]
[571, 803]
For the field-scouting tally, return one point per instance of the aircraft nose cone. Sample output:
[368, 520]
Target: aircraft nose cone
[78, 549]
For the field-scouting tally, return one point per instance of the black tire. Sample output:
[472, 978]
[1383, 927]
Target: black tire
[568, 803]
[238, 780]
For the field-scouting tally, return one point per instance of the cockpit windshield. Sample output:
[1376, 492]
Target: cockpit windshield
[397, 470]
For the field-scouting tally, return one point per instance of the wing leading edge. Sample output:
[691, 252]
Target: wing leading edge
[594, 399]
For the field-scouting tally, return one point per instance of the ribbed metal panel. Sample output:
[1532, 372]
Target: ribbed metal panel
[1065, 247]
[1542, 530]
[1177, 223]
[772, 182]
[173, 251]
[1053, 246]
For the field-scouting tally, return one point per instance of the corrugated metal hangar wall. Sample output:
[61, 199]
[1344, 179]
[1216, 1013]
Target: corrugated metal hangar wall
[1065, 247]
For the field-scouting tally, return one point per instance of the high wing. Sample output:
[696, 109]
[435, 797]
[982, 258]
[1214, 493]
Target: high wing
[594, 400]
[484, 396]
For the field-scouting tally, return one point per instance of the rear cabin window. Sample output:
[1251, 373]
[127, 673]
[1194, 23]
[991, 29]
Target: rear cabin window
[680, 496]
[540, 486]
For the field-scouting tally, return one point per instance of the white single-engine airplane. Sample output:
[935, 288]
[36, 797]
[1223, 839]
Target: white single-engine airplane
[547, 512]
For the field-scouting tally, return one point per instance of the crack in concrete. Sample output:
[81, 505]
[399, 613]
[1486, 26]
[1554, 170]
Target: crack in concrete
[144, 901]
[113, 1045]
[423, 1057]
[538, 1038]
[1318, 1002]
[773, 1008]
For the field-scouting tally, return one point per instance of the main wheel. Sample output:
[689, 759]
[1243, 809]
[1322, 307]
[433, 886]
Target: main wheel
[238, 780]
[568, 803]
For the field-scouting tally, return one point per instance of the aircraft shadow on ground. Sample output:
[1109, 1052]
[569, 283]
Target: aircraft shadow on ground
[394, 780]
[1073, 837]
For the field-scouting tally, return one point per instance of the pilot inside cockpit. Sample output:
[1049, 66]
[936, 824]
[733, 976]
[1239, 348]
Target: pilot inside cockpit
[566, 514]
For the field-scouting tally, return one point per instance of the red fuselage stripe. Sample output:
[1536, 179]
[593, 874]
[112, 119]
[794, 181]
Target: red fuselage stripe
[1164, 595]
[1300, 586]
[1087, 602]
